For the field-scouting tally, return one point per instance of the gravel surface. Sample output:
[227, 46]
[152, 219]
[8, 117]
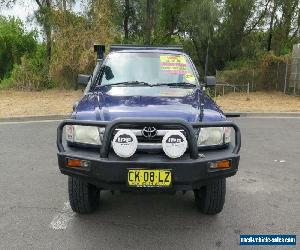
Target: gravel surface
[48, 102]
[259, 102]
[60, 102]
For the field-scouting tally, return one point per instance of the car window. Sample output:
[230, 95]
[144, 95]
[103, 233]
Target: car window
[153, 68]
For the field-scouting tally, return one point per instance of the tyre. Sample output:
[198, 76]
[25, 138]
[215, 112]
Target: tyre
[84, 197]
[210, 198]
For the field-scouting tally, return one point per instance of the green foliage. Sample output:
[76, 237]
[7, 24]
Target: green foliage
[15, 42]
[209, 91]
[240, 63]
[270, 58]
[168, 20]
[237, 13]
[236, 34]
[267, 72]
[31, 73]
[72, 51]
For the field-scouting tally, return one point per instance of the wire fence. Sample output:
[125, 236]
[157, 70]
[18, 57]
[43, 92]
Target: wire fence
[278, 76]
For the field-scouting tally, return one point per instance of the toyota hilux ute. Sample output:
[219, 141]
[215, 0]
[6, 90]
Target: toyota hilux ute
[145, 123]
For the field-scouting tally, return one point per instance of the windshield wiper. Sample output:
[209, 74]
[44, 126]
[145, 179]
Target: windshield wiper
[176, 84]
[133, 83]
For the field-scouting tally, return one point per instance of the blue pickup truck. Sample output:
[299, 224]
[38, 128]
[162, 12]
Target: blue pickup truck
[145, 123]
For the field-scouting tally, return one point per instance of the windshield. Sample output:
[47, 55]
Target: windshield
[152, 68]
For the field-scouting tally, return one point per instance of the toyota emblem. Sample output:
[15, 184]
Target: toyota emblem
[149, 132]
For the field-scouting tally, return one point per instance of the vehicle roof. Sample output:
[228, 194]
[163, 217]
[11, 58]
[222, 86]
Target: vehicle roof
[149, 51]
[118, 47]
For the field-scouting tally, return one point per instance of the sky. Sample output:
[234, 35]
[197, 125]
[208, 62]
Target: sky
[22, 11]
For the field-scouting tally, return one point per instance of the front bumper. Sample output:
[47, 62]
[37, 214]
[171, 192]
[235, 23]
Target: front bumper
[108, 171]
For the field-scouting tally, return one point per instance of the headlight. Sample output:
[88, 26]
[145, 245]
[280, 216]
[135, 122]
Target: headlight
[84, 134]
[214, 136]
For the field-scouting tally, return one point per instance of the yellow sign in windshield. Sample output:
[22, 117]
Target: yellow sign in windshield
[173, 59]
[173, 64]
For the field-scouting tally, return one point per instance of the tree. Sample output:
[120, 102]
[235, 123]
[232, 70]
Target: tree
[237, 13]
[198, 22]
[231, 32]
[73, 50]
[150, 20]
[286, 25]
[168, 21]
[126, 19]
[271, 25]
[43, 16]
[14, 43]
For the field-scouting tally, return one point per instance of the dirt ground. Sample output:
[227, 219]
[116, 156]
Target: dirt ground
[59, 102]
[49, 102]
[259, 102]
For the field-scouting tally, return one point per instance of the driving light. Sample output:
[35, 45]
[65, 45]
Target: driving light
[214, 136]
[84, 134]
[174, 144]
[124, 143]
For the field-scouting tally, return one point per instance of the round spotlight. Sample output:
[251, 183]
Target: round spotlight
[174, 144]
[124, 143]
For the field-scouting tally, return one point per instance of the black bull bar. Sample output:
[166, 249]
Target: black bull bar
[131, 123]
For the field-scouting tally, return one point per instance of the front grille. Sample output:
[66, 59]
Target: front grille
[156, 139]
[150, 145]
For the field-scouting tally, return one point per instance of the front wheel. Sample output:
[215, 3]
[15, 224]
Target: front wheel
[210, 198]
[84, 197]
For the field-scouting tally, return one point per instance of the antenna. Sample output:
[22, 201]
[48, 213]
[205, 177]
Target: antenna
[201, 97]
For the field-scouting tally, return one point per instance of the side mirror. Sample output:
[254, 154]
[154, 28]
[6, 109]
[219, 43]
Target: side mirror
[210, 81]
[83, 79]
[108, 72]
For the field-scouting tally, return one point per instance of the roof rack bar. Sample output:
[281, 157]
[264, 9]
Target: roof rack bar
[117, 47]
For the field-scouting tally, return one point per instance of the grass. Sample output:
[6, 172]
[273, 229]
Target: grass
[60, 102]
[259, 102]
